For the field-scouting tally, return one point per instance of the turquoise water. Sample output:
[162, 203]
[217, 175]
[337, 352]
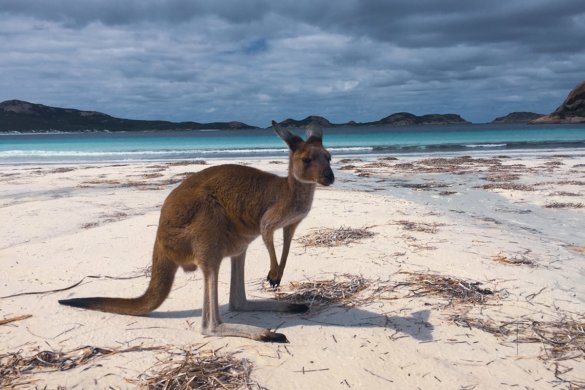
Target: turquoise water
[171, 145]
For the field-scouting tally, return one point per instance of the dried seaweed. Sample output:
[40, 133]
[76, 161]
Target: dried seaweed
[453, 289]
[389, 158]
[404, 166]
[342, 289]
[508, 186]
[184, 163]
[515, 259]
[481, 324]
[138, 184]
[376, 165]
[565, 338]
[562, 205]
[13, 365]
[90, 225]
[420, 226]
[563, 193]
[507, 168]
[413, 242]
[114, 217]
[362, 173]
[502, 177]
[61, 170]
[99, 182]
[349, 160]
[554, 163]
[562, 339]
[327, 237]
[423, 186]
[447, 193]
[199, 370]
[456, 165]
[347, 167]
[572, 182]
[153, 175]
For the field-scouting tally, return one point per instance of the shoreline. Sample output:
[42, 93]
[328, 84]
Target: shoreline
[281, 154]
[481, 222]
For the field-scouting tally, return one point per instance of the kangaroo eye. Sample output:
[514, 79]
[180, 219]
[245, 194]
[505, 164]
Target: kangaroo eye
[307, 160]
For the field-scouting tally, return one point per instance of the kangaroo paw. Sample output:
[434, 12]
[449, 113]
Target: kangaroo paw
[274, 283]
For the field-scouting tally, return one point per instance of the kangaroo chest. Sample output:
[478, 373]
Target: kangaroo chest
[296, 211]
[291, 218]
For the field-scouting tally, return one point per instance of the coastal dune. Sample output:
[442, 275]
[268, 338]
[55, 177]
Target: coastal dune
[446, 272]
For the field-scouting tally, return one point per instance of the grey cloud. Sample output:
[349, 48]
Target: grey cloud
[113, 12]
[542, 25]
[257, 60]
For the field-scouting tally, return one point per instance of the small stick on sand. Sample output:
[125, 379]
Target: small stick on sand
[13, 319]
[72, 286]
[378, 376]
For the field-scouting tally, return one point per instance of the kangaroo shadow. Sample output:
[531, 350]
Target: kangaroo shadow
[415, 325]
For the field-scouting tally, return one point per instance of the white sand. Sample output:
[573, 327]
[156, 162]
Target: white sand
[61, 224]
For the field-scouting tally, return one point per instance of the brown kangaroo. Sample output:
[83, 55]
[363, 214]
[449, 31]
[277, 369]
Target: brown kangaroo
[217, 213]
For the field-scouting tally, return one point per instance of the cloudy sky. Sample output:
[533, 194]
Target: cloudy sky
[257, 60]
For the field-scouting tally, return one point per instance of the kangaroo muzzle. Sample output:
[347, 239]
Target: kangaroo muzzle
[327, 178]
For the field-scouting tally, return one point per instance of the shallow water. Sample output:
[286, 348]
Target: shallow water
[177, 145]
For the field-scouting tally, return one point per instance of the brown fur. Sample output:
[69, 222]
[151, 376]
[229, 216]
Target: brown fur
[216, 213]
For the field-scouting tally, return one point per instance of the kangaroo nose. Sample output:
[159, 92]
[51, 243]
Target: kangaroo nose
[329, 178]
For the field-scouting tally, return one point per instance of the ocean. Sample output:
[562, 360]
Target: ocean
[98, 147]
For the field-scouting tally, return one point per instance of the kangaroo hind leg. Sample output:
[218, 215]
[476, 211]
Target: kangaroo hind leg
[239, 302]
[212, 325]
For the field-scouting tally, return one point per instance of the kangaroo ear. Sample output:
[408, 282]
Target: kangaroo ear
[293, 141]
[315, 132]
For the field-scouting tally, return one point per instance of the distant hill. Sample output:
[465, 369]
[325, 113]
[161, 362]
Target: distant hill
[18, 115]
[408, 119]
[517, 117]
[398, 119]
[572, 110]
[310, 119]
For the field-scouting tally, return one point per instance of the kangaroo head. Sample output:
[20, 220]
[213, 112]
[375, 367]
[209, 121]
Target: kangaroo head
[309, 160]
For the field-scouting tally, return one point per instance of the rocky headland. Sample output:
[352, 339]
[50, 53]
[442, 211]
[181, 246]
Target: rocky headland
[572, 110]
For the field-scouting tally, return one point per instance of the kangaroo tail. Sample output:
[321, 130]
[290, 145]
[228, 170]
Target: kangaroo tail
[161, 281]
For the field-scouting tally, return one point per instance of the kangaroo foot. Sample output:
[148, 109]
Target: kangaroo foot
[247, 331]
[273, 337]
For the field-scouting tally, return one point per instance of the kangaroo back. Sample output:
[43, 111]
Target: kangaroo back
[161, 281]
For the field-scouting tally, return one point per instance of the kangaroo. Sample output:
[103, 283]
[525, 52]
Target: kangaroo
[217, 213]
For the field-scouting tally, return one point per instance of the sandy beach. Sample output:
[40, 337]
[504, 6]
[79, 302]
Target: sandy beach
[426, 272]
